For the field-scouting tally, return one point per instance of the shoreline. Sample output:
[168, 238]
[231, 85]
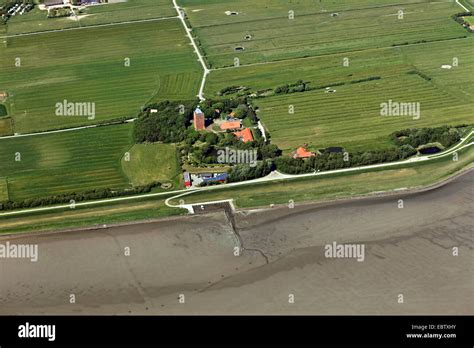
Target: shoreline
[407, 251]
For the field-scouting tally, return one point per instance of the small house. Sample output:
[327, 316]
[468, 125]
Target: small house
[231, 125]
[301, 152]
[219, 177]
[245, 135]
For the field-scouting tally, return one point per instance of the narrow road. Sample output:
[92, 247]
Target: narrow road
[465, 8]
[274, 176]
[188, 31]
[64, 130]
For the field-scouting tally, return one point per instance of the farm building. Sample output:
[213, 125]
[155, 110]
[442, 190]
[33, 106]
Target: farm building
[301, 152]
[199, 120]
[187, 179]
[88, 2]
[231, 125]
[221, 177]
[245, 135]
[53, 2]
[205, 178]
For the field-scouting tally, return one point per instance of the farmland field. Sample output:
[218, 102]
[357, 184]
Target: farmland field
[3, 190]
[468, 4]
[387, 59]
[351, 117]
[5, 126]
[44, 165]
[301, 190]
[318, 28]
[151, 162]
[88, 65]
[130, 10]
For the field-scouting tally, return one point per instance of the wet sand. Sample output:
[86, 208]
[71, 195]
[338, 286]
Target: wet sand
[408, 251]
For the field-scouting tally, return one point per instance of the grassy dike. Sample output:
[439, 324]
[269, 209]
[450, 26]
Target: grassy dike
[81, 217]
[342, 185]
[258, 195]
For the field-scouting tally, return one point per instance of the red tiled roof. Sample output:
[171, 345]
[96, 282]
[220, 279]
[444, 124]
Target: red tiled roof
[199, 122]
[230, 125]
[301, 152]
[244, 135]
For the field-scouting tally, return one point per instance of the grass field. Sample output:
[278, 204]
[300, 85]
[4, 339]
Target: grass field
[469, 4]
[65, 162]
[152, 162]
[5, 126]
[3, 190]
[300, 191]
[130, 10]
[85, 217]
[313, 31]
[88, 65]
[351, 116]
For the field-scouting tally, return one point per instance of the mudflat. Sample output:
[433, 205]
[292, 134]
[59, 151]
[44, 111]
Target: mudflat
[418, 260]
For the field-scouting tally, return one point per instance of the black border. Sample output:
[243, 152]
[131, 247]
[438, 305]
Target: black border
[237, 330]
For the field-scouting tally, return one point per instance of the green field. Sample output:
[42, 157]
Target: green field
[151, 162]
[86, 217]
[3, 190]
[5, 126]
[131, 10]
[314, 48]
[88, 65]
[65, 162]
[300, 191]
[313, 31]
[468, 3]
[351, 116]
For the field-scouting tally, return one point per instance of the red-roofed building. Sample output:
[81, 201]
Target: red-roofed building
[301, 152]
[187, 179]
[231, 125]
[244, 135]
[199, 120]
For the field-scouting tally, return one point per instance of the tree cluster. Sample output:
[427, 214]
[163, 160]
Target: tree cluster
[244, 172]
[415, 137]
[203, 147]
[77, 197]
[331, 161]
[168, 124]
